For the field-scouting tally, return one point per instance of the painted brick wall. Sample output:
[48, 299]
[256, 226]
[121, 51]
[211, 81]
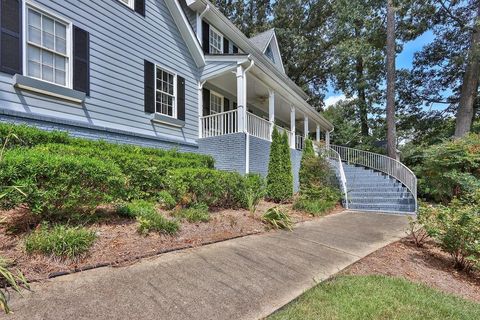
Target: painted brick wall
[228, 151]
[296, 157]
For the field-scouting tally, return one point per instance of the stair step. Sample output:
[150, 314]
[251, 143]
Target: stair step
[373, 184]
[379, 200]
[375, 189]
[382, 207]
[399, 195]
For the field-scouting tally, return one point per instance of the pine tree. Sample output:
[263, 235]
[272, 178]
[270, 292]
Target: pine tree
[279, 177]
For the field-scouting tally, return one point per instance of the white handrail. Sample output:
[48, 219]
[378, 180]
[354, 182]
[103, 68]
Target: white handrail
[219, 124]
[258, 127]
[337, 160]
[299, 141]
[390, 166]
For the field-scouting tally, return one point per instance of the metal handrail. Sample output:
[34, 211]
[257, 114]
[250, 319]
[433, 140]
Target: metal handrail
[337, 160]
[387, 165]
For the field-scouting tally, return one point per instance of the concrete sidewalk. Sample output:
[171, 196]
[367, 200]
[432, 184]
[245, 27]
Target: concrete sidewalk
[246, 278]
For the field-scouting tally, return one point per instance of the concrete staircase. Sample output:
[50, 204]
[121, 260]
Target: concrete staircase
[369, 190]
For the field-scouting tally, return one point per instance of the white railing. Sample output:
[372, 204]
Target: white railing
[219, 124]
[289, 133]
[299, 142]
[258, 127]
[333, 155]
[382, 163]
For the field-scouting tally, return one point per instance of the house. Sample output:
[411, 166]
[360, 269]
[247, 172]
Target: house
[160, 73]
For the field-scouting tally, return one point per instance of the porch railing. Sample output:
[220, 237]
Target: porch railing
[334, 156]
[381, 163]
[258, 127]
[219, 124]
[299, 141]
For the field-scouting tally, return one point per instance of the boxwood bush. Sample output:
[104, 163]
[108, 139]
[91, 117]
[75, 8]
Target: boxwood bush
[211, 187]
[57, 186]
[26, 136]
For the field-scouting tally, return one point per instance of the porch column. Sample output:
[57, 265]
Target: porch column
[271, 110]
[327, 138]
[305, 127]
[242, 99]
[292, 126]
[318, 133]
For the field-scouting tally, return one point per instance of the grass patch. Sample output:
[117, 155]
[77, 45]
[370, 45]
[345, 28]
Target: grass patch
[314, 207]
[278, 219]
[196, 213]
[60, 240]
[376, 297]
[147, 216]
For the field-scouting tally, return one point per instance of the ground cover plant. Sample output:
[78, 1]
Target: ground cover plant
[196, 213]
[376, 297]
[278, 218]
[9, 280]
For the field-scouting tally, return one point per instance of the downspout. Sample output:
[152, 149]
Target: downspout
[200, 108]
[247, 135]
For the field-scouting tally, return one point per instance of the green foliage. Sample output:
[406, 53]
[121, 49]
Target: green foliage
[30, 136]
[376, 297]
[457, 230]
[133, 209]
[450, 169]
[58, 186]
[166, 200]
[317, 201]
[280, 176]
[254, 191]
[196, 213]
[60, 241]
[9, 279]
[211, 187]
[278, 218]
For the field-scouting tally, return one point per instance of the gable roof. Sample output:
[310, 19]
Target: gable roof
[268, 39]
[262, 40]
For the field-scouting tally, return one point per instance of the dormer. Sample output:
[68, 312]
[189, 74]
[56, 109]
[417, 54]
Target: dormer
[267, 43]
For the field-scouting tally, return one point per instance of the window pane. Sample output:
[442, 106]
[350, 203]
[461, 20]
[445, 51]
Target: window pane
[60, 30]
[33, 53]
[47, 73]
[48, 32]
[60, 77]
[60, 62]
[34, 69]
[47, 58]
[48, 40]
[34, 19]
[60, 45]
[34, 35]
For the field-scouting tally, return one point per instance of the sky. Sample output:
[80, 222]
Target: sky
[404, 61]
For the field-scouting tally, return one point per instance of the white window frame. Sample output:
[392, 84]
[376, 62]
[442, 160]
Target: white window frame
[130, 3]
[210, 46]
[69, 44]
[175, 95]
[222, 102]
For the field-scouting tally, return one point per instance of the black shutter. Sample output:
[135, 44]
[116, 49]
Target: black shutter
[226, 46]
[81, 60]
[180, 98]
[149, 74]
[11, 36]
[206, 37]
[235, 106]
[140, 7]
[226, 104]
[206, 102]
[235, 49]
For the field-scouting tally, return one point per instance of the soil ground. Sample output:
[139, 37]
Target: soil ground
[118, 242]
[427, 265]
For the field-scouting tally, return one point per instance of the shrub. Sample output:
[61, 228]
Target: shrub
[61, 241]
[196, 213]
[27, 136]
[14, 280]
[211, 187]
[57, 186]
[280, 176]
[314, 207]
[147, 216]
[254, 191]
[145, 173]
[450, 169]
[278, 218]
[166, 200]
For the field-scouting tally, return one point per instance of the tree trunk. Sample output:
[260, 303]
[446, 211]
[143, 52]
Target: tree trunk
[469, 90]
[362, 100]
[391, 129]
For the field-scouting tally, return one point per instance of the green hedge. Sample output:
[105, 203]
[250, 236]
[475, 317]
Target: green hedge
[280, 175]
[26, 136]
[58, 186]
[206, 186]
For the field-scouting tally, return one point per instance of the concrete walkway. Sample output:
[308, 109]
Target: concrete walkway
[246, 278]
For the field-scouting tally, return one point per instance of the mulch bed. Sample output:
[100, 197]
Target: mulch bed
[427, 265]
[118, 242]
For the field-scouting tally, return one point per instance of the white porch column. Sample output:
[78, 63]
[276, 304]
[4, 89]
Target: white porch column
[292, 127]
[327, 138]
[305, 127]
[242, 99]
[271, 110]
[200, 108]
[318, 133]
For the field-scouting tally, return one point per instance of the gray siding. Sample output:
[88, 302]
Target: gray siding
[190, 14]
[228, 151]
[120, 40]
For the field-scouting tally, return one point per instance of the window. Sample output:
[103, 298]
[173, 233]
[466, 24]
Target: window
[216, 41]
[269, 53]
[47, 48]
[216, 103]
[129, 3]
[166, 92]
